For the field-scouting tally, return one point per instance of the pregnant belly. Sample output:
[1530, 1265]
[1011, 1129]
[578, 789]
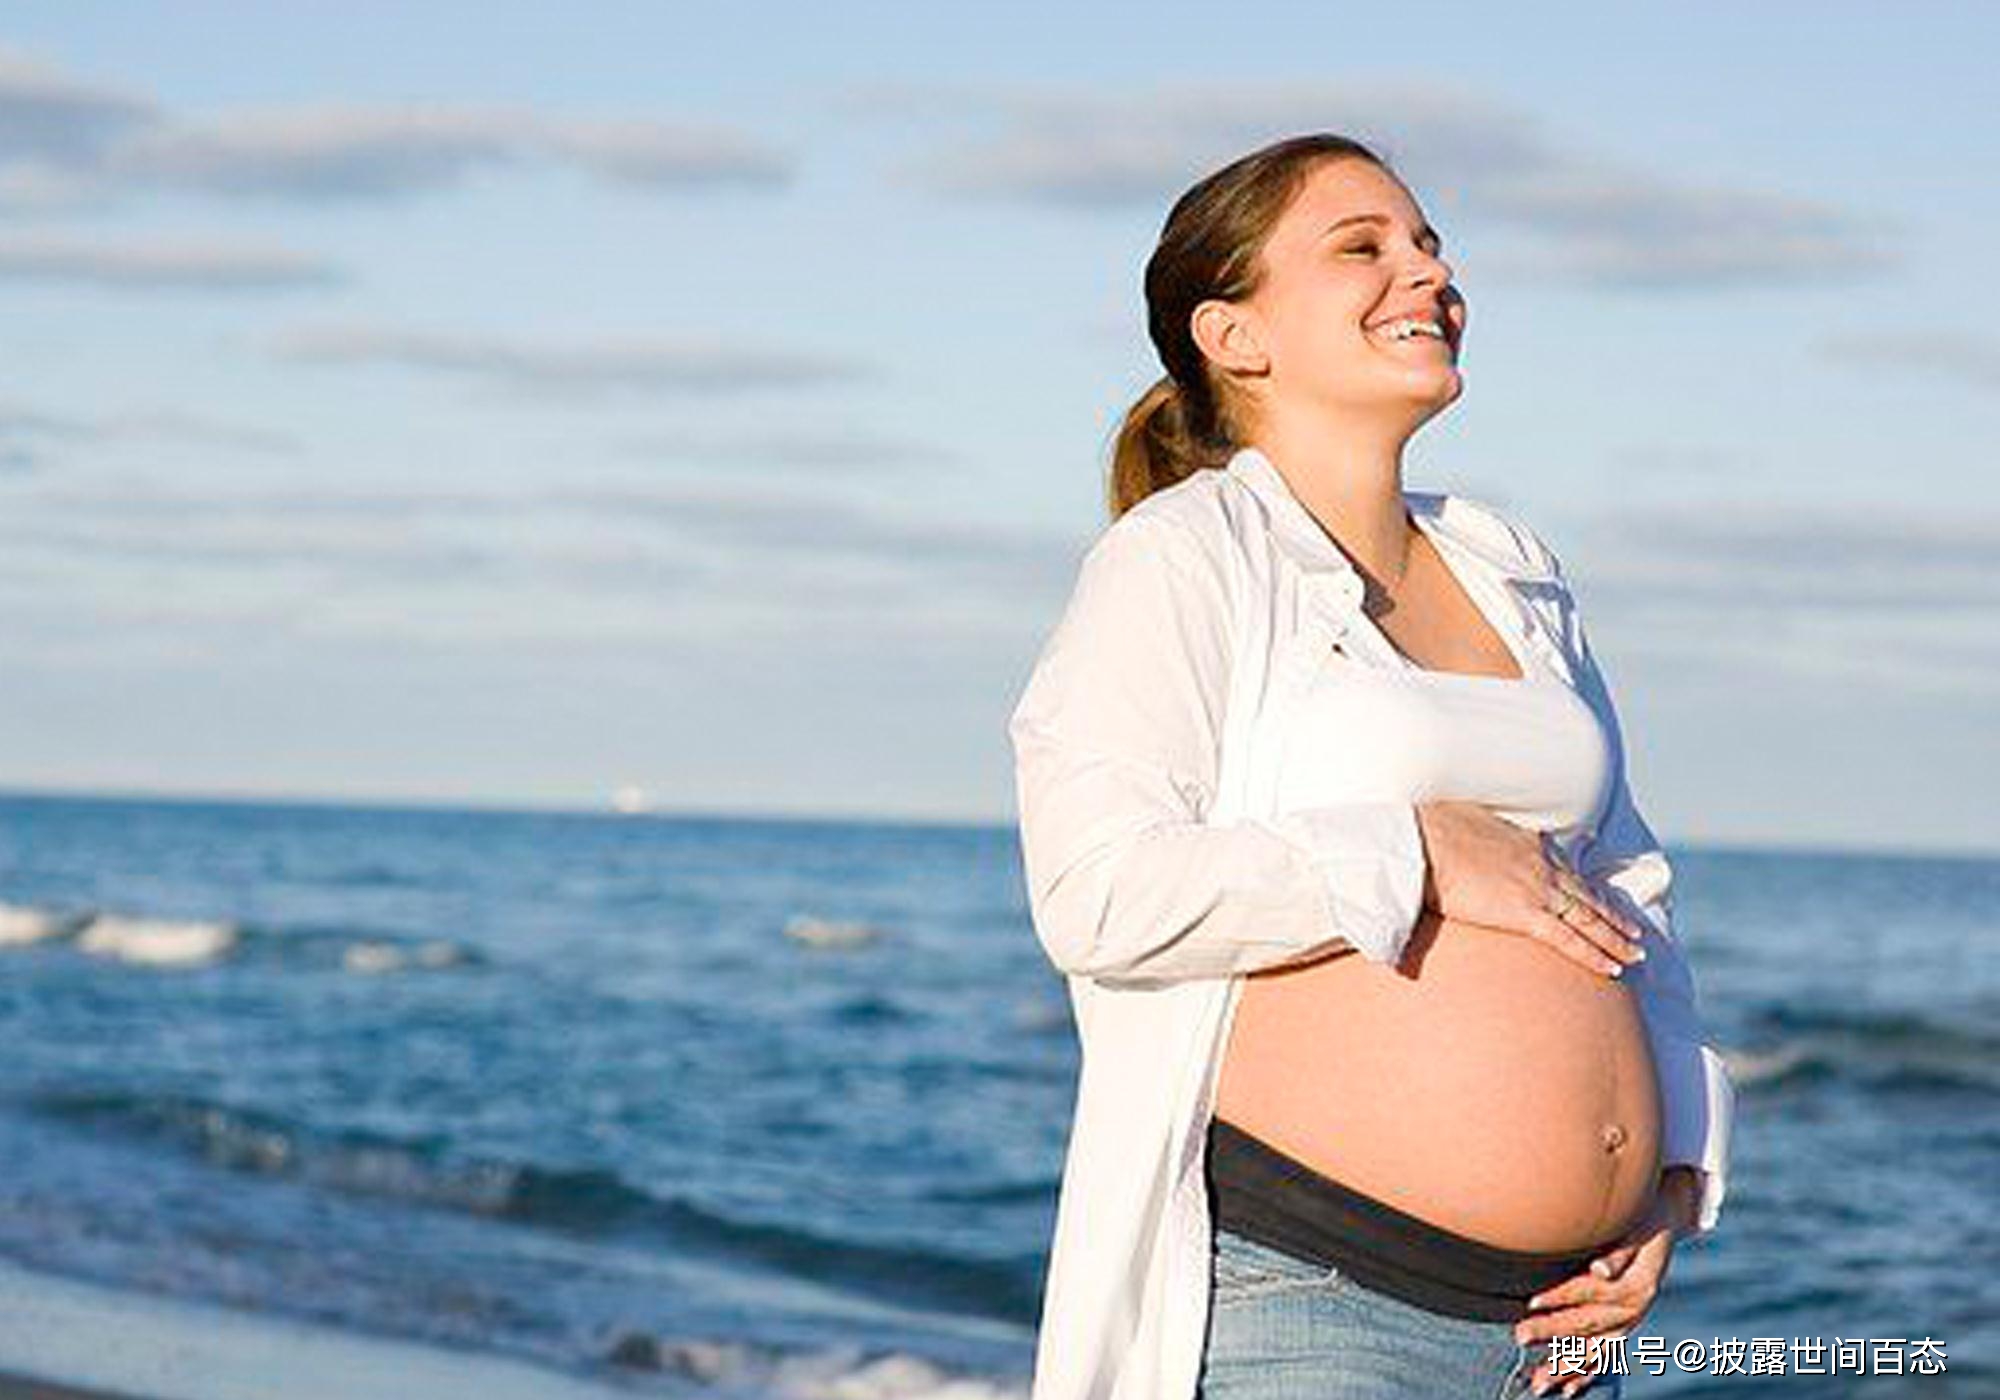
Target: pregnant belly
[1488, 1085]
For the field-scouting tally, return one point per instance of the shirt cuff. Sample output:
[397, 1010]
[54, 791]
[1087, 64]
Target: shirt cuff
[1712, 1191]
[1369, 857]
[1703, 1142]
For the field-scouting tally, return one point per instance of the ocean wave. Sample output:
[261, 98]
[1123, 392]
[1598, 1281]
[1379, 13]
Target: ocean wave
[1038, 1191]
[21, 925]
[157, 942]
[871, 1010]
[830, 933]
[843, 1373]
[364, 952]
[375, 956]
[1760, 1068]
[146, 941]
[252, 1140]
[1881, 1050]
[1046, 1015]
[579, 1200]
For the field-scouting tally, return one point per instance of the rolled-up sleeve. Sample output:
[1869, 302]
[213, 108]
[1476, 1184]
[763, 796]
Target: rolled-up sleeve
[1116, 741]
[1625, 863]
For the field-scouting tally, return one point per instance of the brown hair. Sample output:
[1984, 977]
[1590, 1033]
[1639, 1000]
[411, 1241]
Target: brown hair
[1208, 250]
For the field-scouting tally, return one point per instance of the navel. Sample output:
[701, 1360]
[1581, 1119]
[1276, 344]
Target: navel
[1613, 1137]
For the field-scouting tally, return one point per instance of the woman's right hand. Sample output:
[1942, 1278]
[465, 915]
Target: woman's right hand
[1486, 870]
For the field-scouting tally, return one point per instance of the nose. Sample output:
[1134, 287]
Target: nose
[1429, 270]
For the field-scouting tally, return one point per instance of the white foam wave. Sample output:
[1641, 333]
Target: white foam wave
[1748, 1067]
[20, 925]
[897, 1376]
[841, 1373]
[373, 957]
[829, 933]
[157, 942]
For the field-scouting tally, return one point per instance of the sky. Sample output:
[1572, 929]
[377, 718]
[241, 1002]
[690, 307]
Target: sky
[506, 404]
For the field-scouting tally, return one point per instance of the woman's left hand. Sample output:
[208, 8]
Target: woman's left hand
[1619, 1288]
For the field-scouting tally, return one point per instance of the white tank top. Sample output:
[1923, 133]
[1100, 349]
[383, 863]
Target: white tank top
[1375, 726]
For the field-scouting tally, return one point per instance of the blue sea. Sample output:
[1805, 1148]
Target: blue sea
[726, 1107]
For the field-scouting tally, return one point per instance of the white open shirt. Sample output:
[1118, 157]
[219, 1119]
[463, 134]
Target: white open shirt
[1160, 868]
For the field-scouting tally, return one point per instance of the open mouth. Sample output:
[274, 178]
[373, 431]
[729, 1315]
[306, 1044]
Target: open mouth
[1407, 332]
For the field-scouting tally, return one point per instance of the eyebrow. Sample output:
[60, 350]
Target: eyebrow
[1437, 240]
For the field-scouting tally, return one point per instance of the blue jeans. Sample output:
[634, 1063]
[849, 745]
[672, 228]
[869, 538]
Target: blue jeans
[1280, 1328]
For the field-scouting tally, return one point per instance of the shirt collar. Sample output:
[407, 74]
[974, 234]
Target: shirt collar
[1455, 519]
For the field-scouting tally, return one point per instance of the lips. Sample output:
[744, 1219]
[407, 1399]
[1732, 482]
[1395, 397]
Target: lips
[1427, 313]
[1418, 338]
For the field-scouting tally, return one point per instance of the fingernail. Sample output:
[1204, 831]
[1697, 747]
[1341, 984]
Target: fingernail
[1601, 1269]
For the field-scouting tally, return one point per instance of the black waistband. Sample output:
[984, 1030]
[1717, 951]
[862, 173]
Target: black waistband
[1267, 1196]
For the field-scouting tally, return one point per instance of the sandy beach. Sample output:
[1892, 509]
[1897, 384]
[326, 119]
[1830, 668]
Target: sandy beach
[64, 1339]
[24, 1388]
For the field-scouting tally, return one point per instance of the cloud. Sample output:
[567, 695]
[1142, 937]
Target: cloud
[322, 153]
[655, 153]
[352, 151]
[65, 144]
[143, 425]
[143, 503]
[821, 450]
[32, 422]
[574, 562]
[231, 543]
[1094, 149]
[1824, 557]
[1941, 354]
[1585, 216]
[27, 187]
[1622, 228]
[47, 115]
[210, 265]
[1895, 597]
[789, 525]
[643, 363]
[25, 433]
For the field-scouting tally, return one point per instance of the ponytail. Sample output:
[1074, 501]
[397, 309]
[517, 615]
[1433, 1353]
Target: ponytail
[1163, 441]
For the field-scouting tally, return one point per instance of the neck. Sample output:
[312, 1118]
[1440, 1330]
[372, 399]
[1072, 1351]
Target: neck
[1350, 477]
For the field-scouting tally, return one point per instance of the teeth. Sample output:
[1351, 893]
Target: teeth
[1409, 326]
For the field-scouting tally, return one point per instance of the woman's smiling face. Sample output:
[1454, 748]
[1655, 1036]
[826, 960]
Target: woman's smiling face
[1351, 255]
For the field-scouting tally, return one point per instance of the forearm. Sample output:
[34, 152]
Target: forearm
[1178, 900]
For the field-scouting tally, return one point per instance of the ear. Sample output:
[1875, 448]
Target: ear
[1229, 335]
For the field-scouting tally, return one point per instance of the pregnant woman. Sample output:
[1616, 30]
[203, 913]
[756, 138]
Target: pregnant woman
[1393, 1070]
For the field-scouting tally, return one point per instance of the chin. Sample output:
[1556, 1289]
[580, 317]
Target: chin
[1439, 388]
[1431, 399]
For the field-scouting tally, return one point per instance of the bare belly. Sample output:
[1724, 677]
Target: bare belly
[1488, 1085]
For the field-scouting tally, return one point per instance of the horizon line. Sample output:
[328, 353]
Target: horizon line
[828, 817]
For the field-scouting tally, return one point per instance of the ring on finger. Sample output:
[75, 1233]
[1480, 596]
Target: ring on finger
[1573, 887]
